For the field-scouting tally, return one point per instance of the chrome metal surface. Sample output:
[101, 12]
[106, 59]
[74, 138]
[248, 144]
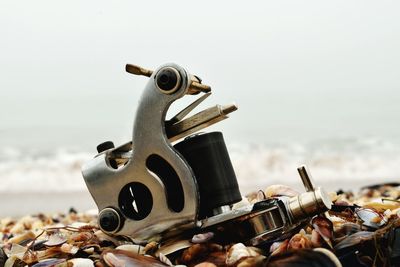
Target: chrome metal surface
[306, 178]
[149, 136]
[314, 201]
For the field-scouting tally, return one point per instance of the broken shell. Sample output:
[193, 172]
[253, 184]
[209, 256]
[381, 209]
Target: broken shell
[202, 238]
[51, 263]
[299, 241]
[28, 235]
[324, 228]
[120, 258]
[316, 239]
[238, 252]
[137, 249]
[280, 190]
[80, 262]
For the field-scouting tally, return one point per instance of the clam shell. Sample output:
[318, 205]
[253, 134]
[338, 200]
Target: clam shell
[55, 240]
[370, 218]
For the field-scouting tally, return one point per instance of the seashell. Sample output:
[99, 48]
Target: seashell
[346, 229]
[324, 228]
[280, 190]
[193, 252]
[165, 260]
[102, 237]
[51, 263]
[14, 262]
[299, 241]
[370, 218]
[238, 252]
[68, 248]
[279, 247]
[28, 235]
[121, 258]
[16, 251]
[169, 247]
[218, 258]
[381, 207]
[353, 241]
[137, 249]
[33, 244]
[202, 238]
[80, 262]
[257, 261]
[316, 239]
[209, 252]
[55, 240]
[82, 236]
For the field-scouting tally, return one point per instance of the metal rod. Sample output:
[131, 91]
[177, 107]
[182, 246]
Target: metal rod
[194, 85]
[306, 178]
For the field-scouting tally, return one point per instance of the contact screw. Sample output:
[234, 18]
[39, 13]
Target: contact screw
[313, 202]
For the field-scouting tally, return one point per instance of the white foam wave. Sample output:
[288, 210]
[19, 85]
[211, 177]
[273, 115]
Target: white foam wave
[58, 171]
[333, 163]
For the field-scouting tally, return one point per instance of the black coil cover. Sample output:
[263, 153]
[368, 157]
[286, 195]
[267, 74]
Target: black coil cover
[208, 157]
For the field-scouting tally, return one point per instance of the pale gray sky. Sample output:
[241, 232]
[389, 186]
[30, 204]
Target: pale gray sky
[315, 68]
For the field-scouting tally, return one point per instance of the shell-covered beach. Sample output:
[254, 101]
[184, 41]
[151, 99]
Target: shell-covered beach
[361, 229]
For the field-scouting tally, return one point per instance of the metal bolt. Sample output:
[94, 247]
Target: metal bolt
[168, 80]
[109, 220]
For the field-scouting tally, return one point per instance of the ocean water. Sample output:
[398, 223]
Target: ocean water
[347, 138]
[334, 164]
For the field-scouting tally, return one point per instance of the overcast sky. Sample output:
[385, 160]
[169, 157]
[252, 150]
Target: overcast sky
[284, 62]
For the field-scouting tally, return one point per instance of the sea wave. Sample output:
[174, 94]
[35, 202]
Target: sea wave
[334, 164]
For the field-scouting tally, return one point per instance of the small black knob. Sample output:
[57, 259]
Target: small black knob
[109, 220]
[168, 80]
[105, 146]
